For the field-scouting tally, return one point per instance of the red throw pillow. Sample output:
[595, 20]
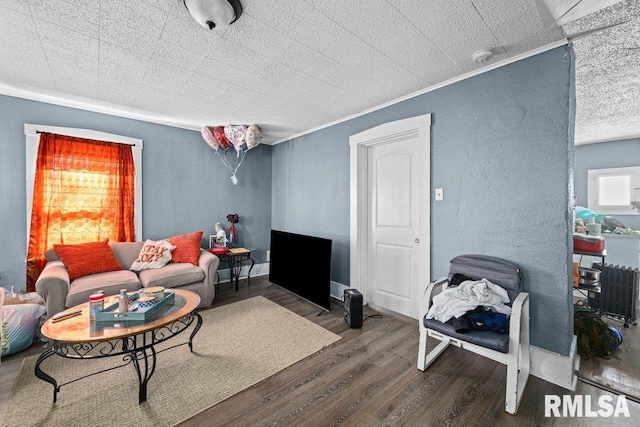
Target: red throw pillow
[187, 247]
[87, 258]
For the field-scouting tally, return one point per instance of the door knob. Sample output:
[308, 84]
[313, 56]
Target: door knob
[417, 240]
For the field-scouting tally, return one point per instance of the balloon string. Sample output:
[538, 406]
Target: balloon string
[241, 160]
[228, 164]
[224, 162]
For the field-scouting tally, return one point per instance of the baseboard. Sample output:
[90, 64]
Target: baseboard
[337, 290]
[554, 368]
[258, 270]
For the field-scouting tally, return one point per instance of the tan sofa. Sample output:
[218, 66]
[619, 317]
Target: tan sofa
[53, 284]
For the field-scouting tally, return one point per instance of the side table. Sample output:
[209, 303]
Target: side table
[236, 260]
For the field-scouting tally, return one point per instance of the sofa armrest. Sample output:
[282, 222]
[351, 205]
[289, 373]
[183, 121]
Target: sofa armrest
[53, 286]
[209, 263]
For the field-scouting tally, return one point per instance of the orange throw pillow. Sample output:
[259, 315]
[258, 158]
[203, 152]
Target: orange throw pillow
[87, 258]
[187, 247]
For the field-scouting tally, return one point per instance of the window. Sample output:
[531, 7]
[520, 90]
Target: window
[614, 191]
[81, 186]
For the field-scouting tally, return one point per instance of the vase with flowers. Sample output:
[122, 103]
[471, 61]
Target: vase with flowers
[233, 219]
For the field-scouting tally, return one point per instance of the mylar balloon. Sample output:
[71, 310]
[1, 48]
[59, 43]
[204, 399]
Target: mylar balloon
[208, 136]
[218, 133]
[228, 132]
[239, 133]
[253, 136]
[235, 134]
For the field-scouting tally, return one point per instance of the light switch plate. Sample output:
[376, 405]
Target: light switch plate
[439, 194]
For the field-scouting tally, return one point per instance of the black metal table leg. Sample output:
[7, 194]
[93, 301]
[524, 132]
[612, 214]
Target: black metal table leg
[40, 374]
[235, 273]
[195, 331]
[145, 364]
[249, 272]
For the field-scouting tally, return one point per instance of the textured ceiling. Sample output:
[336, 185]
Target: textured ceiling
[288, 66]
[608, 74]
[561, 12]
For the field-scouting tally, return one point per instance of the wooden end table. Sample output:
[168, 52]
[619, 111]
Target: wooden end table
[80, 338]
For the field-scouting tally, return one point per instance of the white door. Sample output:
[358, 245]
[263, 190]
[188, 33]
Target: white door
[394, 221]
[390, 213]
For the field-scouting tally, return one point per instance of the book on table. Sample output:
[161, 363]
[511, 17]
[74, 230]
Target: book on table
[238, 251]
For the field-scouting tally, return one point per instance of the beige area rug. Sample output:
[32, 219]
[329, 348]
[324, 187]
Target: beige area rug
[239, 345]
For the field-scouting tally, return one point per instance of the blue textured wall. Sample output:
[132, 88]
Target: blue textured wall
[502, 149]
[185, 186]
[604, 155]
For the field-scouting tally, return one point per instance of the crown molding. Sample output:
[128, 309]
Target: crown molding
[96, 107]
[608, 139]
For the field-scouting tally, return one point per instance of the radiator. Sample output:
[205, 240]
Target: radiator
[619, 286]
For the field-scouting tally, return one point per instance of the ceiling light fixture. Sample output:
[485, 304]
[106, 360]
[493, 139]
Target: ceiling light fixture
[482, 55]
[214, 13]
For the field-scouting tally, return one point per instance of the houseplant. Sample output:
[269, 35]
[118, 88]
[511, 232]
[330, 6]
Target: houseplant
[595, 337]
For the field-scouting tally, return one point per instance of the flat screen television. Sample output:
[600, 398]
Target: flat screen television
[302, 265]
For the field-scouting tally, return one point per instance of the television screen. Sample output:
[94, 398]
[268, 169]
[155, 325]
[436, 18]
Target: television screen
[302, 265]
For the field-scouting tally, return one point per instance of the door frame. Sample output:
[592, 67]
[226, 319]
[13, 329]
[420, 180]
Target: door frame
[360, 194]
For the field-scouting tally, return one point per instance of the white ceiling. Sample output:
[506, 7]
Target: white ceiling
[288, 66]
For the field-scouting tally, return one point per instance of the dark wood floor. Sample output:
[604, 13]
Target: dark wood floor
[368, 378]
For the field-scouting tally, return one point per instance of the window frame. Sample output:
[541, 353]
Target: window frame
[32, 134]
[593, 190]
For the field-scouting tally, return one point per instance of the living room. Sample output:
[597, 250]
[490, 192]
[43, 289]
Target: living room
[501, 140]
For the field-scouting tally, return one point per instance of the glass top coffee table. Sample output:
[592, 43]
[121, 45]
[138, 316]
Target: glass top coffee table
[80, 338]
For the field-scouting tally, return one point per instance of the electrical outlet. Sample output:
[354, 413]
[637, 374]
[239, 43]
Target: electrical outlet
[268, 256]
[439, 194]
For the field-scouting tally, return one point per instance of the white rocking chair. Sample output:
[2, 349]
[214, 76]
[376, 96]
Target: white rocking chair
[511, 350]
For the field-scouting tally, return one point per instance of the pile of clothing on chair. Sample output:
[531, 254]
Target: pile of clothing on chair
[469, 304]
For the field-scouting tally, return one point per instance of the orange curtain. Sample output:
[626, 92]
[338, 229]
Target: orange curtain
[83, 192]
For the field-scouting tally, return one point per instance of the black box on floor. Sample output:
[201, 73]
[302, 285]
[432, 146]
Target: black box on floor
[353, 308]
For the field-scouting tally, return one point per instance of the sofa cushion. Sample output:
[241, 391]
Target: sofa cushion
[187, 248]
[126, 252]
[87, 258]
[110, 283]
[488, 339]
[153, 255]
[172, 275]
